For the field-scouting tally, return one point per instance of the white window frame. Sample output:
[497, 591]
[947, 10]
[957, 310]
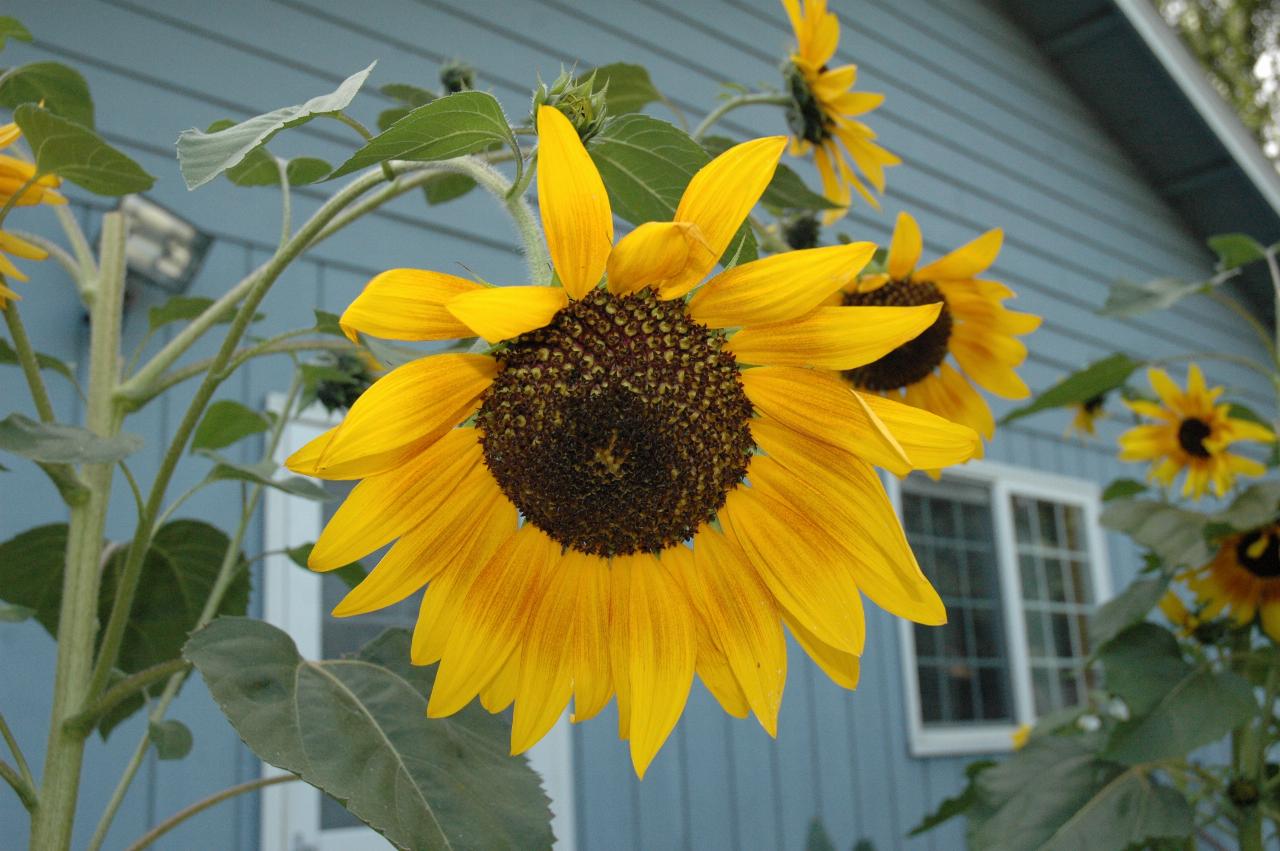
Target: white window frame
[1005, 482]
[292, 600]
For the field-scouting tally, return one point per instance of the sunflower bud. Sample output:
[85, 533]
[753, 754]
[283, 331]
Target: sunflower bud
[341, 378]
[805, 117]
[577, 99]
[457, 77]
[802, 231]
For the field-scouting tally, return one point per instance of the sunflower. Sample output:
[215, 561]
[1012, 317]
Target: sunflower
[10, 244]
[620, 424]
[15, 172]
[824, 108]
[973, 327]
[1242, 580]
[1193, 433]
[1087, 413]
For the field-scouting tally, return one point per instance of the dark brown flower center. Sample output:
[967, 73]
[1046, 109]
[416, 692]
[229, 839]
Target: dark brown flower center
[1191, 436]
[1265, 560]
[619, 427]
[914, 359]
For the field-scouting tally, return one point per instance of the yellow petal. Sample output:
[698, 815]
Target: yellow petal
[16, 245]
[826, 408]
[501, 690]
[592, 680]
[833, 337]
[491, 619]
[928, 440]
[718, 199]
[653, 255]
[847, 491]
[500, 313]
[620, 571]
[802, 566]
[778, 288]
[546, 656]
[971, 409]
[967, 261]
[407, 304]
[744, 621]
[904, 250]
[843, 668]
[402, 413]
[1165, 387]
[574, 204]
[987, 362]
[661, 648]
[387, 505]
[444, 533]
[9, 133]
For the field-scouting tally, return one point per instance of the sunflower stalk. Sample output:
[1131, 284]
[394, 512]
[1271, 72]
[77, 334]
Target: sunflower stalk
[737, 102]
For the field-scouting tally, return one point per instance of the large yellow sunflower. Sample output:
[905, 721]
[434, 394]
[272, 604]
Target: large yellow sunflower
[973, 327]
[1242, 580]
[824, 109]
[1192, 433]
[620, 424]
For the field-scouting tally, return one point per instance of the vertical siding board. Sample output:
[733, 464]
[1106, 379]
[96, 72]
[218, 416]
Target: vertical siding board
[710, 780]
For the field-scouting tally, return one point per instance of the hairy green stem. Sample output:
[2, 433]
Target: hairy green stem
[517, 207]
[737, 102]
[127, 688]
[200, 806]
[77, 619]
[27, 360]
[57, 252]
[87, 267]
[19, 758]
[286, 203]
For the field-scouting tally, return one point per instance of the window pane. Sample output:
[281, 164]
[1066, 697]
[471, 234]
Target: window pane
[1057, 593]
[962, 667]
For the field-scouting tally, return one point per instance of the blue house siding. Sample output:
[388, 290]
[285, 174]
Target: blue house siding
[990, 136]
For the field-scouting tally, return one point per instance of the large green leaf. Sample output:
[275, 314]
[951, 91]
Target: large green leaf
[177, 574]
[62, 444]
[1141, 664]
[646, 165]
[440, 130]
[786, 191]
[258, 168]
[225, 422]
[1175, 534]
[76, 153]
[59, 88]
[357, 729]
[958, 804]
[9, 356]
[31, 566]
[203, 156]
[630, 89]
[1094, 380]
[1254, 506]
[1125, 609]
[12, 28]
[1055, 795]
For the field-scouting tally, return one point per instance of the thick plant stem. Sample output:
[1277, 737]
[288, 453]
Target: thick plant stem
[78, 615]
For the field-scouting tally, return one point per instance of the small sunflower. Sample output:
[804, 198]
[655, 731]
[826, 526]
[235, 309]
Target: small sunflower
[1242, 581]
[619, 424]
[973, 327]
[10, 244]
[15, 172]
[1193, 433]
[1086, 416]
[824, 109]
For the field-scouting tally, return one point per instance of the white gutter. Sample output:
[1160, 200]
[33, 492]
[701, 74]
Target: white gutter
[1190, 77]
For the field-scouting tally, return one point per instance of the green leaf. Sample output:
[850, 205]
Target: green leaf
[1175, 534]
[410, 95]
[178, 573]
[123, 711]
[956, 805]
[63, 444]
[203, 156]
[646, 165]
[422, 783]
[263, 473]
[446, 187]
[12, 613]
[443, 129]
[327, 323]
[1142, 662]
[172, 738]
[1199, 708]
[79, 155]
[1123, 488]
[61, 89]
[1125, 609]
[350, 574]
[787, 191]
[1236, 249]
[1055, 795]
[31, 565]
[818, 839]
[1094, 380]
[1128, 299]
[1254, 506]
[630, 88]
[225, 422]
[9, 356]
[12, 28]
[259, 168]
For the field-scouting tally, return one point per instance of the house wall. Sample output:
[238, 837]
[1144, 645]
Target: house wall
[989, 135]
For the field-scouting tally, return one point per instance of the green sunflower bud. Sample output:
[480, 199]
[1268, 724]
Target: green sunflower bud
[802, 231]
[342, 378]
[457, 77]
[805, 117]
[578, 99]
